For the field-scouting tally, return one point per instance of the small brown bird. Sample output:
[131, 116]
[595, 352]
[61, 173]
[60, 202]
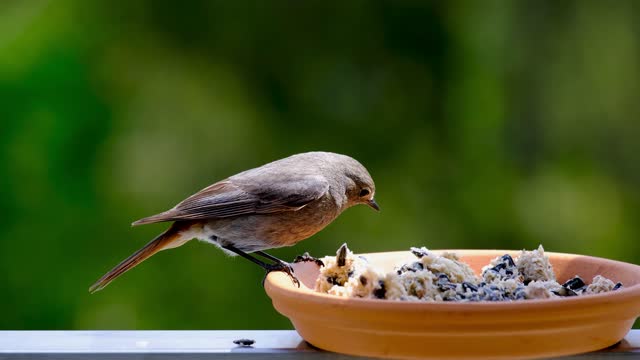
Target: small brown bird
[275, 205]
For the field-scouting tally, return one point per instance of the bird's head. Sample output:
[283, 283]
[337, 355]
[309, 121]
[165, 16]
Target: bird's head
[360, 187]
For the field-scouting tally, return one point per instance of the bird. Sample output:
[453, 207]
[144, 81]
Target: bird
[275, 205]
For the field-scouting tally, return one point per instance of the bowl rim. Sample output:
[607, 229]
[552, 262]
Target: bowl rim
[280, 283]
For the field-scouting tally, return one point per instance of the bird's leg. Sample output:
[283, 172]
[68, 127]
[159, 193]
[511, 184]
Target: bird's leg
[247, 256]
[278, 264]
[267, 256]
[275, 259]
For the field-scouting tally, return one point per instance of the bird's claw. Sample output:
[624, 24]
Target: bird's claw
[307, 258]
[285, 268]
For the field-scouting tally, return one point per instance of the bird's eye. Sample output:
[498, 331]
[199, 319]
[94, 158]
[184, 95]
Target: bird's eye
[364, 192]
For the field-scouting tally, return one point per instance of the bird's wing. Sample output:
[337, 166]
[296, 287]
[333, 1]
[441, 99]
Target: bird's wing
[235, 197]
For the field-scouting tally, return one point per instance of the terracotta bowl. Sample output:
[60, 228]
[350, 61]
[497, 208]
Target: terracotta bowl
[487, 330]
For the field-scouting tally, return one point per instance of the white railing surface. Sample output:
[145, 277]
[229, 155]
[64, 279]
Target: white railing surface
[155, 345]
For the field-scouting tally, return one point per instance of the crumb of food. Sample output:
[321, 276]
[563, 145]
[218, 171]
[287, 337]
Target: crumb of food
[348, 275]
[500, 269]
[429, 278]
[448, 264]
[244, 342]
[444, 277]
[535, 266]
[600, 284]
[542, 289]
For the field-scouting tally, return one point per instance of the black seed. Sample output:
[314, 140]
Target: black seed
[350, 273]
[341, 256]
[574, 284]
[418, 252]
[244, 342]
[490, 293]
[617, 286]
[416, 266]
[469, 286]
[381, 291]
[506, 258]
[363, 280]
[443, 277]
[444, 283]
[499, 267]
[564, 291]
[446, 286]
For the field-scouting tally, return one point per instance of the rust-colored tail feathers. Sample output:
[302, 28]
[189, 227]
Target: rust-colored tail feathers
[168, 239]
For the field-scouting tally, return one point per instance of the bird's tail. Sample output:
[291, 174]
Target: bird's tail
[168, 239]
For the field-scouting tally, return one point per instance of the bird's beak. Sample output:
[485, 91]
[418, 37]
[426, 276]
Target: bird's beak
[373, 204]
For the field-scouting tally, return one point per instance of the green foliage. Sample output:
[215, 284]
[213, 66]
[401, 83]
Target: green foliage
[485, 125]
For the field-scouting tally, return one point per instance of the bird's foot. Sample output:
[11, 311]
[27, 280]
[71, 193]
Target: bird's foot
[285, 268]
[307, 258]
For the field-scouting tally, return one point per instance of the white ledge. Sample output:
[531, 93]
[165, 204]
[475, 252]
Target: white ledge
[125, 345]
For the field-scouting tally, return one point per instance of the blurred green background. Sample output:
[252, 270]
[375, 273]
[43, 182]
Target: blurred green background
[494, 124]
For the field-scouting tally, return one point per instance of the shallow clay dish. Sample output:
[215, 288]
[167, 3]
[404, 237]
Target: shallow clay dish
[487, 330]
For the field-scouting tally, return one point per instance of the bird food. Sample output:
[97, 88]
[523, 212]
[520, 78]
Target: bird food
[444, 277]
[244, 342]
